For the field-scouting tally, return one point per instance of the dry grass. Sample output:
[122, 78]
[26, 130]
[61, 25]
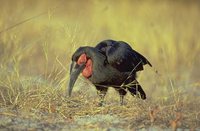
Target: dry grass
[37, 40]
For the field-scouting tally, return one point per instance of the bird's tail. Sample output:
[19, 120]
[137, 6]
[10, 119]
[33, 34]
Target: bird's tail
[144, 60]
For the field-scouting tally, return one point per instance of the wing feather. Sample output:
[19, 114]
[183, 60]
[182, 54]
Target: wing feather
[121, 56]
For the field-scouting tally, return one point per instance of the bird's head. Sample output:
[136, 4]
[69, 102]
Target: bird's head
[81, 63]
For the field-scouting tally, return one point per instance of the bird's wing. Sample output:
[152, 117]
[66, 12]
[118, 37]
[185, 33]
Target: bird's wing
[121, 56]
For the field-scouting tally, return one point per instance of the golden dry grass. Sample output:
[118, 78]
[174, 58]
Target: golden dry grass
[38, 38]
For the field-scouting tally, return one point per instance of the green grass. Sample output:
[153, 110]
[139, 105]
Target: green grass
[35, 57]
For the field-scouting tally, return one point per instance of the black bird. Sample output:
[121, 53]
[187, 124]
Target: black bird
[109, 64]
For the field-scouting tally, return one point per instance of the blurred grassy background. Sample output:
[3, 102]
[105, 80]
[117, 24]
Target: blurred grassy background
[37, 39]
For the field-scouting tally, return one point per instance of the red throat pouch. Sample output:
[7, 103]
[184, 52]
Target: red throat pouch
[82, 59]
[87, 71]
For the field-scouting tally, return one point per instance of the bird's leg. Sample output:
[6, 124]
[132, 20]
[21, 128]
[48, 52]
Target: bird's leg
[101, 99]
[122, 93]
[121, 99]
[101, 91]
[136, 90]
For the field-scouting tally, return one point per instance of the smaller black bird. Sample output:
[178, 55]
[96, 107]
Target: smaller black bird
[109, 64]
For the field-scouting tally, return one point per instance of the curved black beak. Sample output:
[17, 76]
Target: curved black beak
[75, 70]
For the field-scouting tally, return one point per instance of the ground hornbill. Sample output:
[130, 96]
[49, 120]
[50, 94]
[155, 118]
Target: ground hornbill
[109, 64]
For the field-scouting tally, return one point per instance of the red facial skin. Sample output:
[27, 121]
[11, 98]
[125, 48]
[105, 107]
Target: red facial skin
[87, 71]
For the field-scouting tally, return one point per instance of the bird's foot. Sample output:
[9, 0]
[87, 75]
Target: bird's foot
[101, 103]
[122, 104]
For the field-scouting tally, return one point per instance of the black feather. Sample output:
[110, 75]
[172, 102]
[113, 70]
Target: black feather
[114, 64]
[121, 56]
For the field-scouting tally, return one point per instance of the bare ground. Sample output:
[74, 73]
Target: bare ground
[83, 114]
